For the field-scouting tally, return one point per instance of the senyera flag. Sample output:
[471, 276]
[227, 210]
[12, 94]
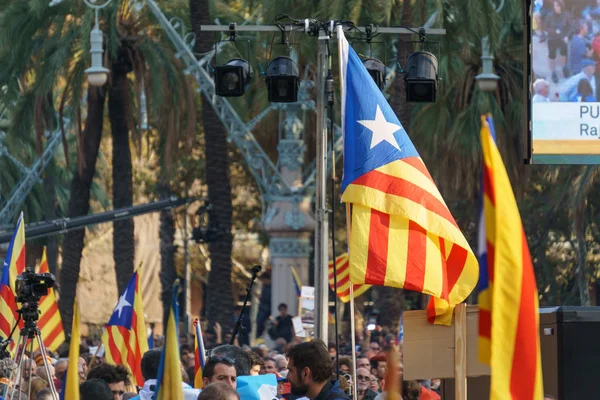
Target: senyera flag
[512, 336]
[402, 233]
[124, 338]
[50, 322]
[342, 269]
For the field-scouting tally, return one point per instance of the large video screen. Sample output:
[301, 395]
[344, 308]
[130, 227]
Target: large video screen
[565, 78]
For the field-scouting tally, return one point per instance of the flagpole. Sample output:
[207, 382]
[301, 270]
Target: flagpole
[352, 320]
[321, 237]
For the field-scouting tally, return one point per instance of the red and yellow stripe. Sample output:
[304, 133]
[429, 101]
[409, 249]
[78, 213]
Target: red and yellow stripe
[515, 357]
[403, 235]
[343, 279]
[50, 322]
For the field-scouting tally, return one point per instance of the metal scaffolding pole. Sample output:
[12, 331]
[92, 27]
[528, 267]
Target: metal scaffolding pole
[321, 234]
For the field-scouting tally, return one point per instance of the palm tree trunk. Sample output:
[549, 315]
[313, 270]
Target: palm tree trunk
[123, 230]
[79, 204]
[581, 270]
[219, 304]
[168, 272]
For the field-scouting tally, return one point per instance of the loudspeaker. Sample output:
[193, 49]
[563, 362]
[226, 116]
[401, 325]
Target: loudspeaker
[570, 343]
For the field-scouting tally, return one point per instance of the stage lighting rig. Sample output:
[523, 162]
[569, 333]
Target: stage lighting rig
[421, 72]
[232, 79]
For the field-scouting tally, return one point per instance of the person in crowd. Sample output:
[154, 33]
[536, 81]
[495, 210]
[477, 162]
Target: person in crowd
[150, 364]
[374, 349]
[44, 394]
[95, 389]
[41, 372]
[283, 327]
[219, 369]
[375, 384]
[116, 376]
[379, 366]
[242, 359]
[570, 86]
[60, 368]
[541, 90]
[264, 306]
[332, 350]
[186, 352]
[557, 26]
[345, 364]
[578, 47]
[218, 391]
[310, 371]
[257, 364]
[585, 93]
[37, 385]
[362, 361]
[363, 385]
[29, 368]
[270, 365]
[281, 363]
[83, 369]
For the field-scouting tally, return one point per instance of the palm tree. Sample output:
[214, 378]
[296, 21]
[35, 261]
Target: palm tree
[219, 289]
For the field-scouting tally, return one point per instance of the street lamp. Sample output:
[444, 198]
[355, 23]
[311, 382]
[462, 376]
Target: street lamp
[487, 80]
[97, 74]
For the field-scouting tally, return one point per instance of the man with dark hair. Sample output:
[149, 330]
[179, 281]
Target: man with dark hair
[345, 364]
[218, 391]
[362, 361]
[219, 369]
[242, 360]
[116, 376]
[257, 363]
[310, 371]
[95, 389]
[150, 363]
[186, 352]
[270, 365]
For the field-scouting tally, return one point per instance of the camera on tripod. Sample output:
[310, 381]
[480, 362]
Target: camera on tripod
[31, 287]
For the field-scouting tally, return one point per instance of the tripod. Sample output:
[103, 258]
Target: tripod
[29, 312]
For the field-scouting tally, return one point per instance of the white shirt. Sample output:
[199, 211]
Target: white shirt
[538, 98]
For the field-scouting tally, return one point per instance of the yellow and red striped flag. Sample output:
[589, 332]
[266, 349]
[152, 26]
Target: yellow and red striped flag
[403, 234]
[514, 355]
[124, 338]
[14, 264]
[342, 266]
[50, 322]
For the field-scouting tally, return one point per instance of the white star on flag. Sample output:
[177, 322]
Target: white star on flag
[382, 130]
[122, 304]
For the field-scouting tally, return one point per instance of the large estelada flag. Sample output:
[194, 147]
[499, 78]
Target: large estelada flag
[509, 334]
[14, 264]
[403, 234]
[50, 322]
[124, 338]
[342, 269]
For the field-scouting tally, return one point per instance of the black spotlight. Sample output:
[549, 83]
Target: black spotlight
[232, 79]
[376, 69]
[283, 80]
[421, 77]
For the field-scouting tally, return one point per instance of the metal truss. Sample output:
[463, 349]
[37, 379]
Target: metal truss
[31, 176]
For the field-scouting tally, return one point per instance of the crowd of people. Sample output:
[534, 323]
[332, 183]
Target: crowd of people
[566, 50]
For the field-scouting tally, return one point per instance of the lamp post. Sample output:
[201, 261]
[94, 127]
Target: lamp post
[97, 73]
[488, 80]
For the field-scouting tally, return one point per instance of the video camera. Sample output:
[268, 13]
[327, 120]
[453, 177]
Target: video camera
[31, 287]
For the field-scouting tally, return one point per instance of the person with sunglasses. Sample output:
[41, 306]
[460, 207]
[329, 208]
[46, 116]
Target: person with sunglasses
[219, 369]
[363, 383]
